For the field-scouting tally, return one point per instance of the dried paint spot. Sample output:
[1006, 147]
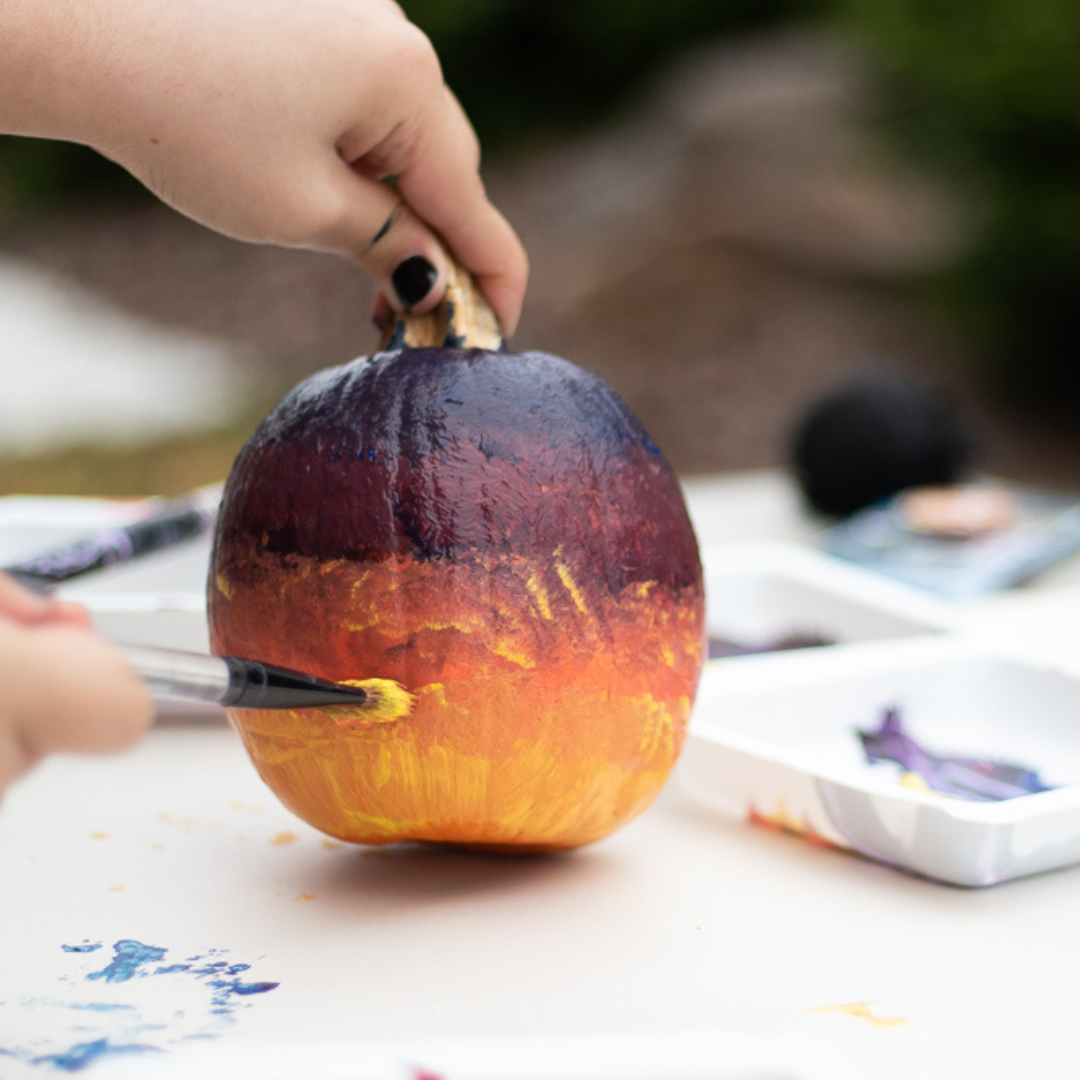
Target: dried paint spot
[100, 836]
[283, 839]
[305, 896]
[860, 1010]
[117, 888]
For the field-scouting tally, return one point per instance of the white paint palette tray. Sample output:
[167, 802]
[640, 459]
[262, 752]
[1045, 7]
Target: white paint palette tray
[778, 742]
[765, 597]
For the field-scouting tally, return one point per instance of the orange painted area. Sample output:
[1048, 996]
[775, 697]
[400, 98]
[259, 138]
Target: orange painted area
[784, 821]
[548, 711]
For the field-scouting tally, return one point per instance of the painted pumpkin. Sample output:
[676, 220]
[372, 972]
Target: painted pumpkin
[497, 533]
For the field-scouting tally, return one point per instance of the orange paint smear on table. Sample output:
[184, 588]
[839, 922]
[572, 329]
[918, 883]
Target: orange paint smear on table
[283, 839]
[860, 1010]
[782, 820]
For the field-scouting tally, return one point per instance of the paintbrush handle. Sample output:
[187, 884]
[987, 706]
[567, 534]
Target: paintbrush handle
[231, 681]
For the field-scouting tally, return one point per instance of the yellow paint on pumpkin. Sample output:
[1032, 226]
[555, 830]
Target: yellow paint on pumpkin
[388, 702]
[382, 767]
[539, 594]
[569, 583]
[506, 650]
[436, 690]
[223, 586]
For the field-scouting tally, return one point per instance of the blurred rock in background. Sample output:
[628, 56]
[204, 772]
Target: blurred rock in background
[730, 248]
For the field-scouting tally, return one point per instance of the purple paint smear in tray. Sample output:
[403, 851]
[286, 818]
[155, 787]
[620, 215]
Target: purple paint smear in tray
[960, 777]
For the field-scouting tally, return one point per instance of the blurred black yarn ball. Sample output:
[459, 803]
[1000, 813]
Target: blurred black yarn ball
[877, 433]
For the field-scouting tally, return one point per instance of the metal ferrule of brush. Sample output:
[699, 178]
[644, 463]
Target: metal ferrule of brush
[168, 673]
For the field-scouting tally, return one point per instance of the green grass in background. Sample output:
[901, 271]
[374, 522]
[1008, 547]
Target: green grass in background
[169, 466]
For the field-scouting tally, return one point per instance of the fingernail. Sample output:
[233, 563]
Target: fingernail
[413, 279]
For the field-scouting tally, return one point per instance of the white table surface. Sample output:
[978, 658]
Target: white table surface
[688, 944]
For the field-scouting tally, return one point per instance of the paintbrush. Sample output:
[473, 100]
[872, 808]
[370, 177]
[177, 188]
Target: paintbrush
[176, 520]
[250, 684]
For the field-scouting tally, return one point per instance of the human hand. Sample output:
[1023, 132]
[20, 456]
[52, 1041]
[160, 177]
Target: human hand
[64, 688]
[274, 121]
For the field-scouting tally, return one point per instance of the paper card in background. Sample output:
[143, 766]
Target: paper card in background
[1044, 530]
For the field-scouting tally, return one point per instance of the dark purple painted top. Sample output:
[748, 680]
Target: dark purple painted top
[447, 453]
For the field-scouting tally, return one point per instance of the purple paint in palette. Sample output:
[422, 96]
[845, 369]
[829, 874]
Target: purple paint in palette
[961, 777]
[84, 1022]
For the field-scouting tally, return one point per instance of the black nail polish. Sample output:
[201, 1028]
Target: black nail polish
[413, 279]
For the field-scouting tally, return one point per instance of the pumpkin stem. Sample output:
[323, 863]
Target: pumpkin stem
[463, 320]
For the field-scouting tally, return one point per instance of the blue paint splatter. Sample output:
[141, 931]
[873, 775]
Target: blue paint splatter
[83, 1055]
[78, 1006]
[207, 993]
[225, 989]
[128, 957]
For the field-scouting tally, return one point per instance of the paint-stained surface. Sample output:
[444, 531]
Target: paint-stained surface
[498, 534]
[136, 1001]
